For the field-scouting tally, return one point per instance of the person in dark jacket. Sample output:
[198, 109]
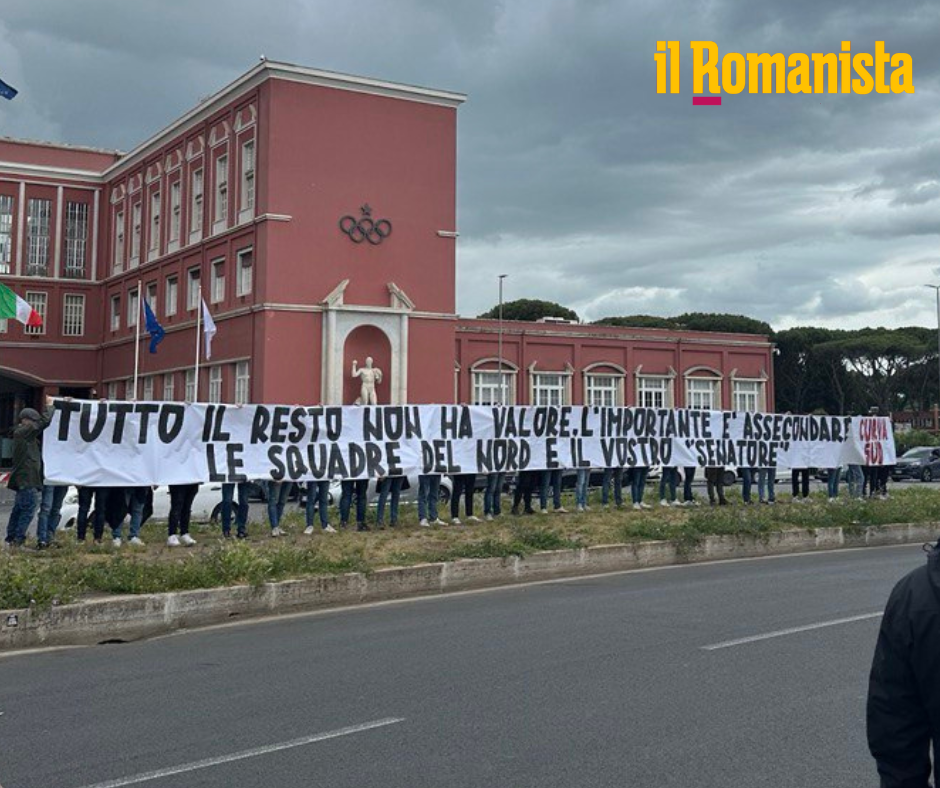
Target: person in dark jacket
[904, 689]
[26, 476]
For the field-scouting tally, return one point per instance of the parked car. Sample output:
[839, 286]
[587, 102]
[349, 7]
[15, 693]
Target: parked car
[206, 505]
[921, 462]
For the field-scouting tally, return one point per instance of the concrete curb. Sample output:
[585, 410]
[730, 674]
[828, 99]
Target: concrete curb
[126, 618]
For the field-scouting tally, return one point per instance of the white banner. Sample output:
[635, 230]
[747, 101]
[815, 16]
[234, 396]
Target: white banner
[139, 443]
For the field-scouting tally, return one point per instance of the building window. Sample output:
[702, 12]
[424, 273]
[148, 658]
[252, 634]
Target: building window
[244, 272]
[192, 289]
[37, 235]
[73, 315]
[190, 385]
[148, 388]
[746, 395]
[119, 242]
[129, 392]
[175, 212]
[4, 325]
[218, 281]
[6, 233]
[486, 388]
[654, 392]
[195, 207]
[215, 384]
[602, 391]
[152, 297]
[155, 224]
[247, 204]
[133, 306]
[135, 235]
[221, 192]
[112, 390]
[242, 383]
[549, 389]
[76, 239]
[168, 379]
[115, 312]
[172, 294]
[702, 393]
[37, 301]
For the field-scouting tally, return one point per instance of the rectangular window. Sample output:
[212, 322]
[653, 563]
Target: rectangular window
[215, 384]
[76, 239]
[168, 393]
[37, 234]
[602, 391]
[155, 224]
[115, 312]
[218, 281]
[6, 233]
[192, 289]
[242, 383]
[129, 392]
[248, 177]
[135, 235]
[486, 388]
[112, 390]
[152, 297]
[747, 395]
[549, 389]
[119, 242]
[190, 385]
[133, 306]
[37, 301]
[73, 315]
[653, 392]
[148, 388]
[195, 206]
[221, 191]
[172, 295]
[175, 212]
[244, 273]
[702, 393]
[4, 325]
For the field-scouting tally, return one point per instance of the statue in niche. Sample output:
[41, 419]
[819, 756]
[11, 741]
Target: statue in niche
[370, 376]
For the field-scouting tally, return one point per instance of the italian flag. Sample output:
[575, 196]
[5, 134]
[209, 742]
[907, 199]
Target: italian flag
[11, 305]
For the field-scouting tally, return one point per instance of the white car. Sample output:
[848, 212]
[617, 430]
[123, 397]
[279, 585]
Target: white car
[208, 498]
[409, 491]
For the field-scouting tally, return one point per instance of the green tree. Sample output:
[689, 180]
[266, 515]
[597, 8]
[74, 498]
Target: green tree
[530, 309]
[734, 324]
[638, 321]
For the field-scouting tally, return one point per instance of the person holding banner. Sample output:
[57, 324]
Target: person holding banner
[389, 490]
[525, 487]
[667, 486]
[429, 492]
[26, 477]
[765, 482]
[637, 478]
[799, 481]
[464, 484]
[318, 500]
[551, 477]
[613, 477]
[688, 476]
[277, 494]
[492, 496]
[360, 489]
[181, 509]
[229, 490]
[715, 483]
[582, 481]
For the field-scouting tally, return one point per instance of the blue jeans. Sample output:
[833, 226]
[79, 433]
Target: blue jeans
[361, 489]
[278, 493]
[318, 498]
[429, 491]
[24, 507]
[581, 487]
[241, 510]
[138, 500]
[765, 480]
[832, 481]
[389, 486]
[667, 484]
[614, 475]
[492, 503]
[638, 483]
[49, 509]
[856, 481]
[747, 481]
[553, 478]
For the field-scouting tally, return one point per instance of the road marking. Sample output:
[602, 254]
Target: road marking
[240, 756]
[791, 631]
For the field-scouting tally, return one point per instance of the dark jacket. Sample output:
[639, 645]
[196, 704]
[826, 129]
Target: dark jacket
[904, 688]
[27, 454]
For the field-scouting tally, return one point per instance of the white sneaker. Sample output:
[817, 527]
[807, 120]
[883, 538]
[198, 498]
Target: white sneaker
[489, 518]
[561, 510]
[645, 506]
[187, 540]
[585, 508]
[637, 506]
[473, 519]
[664, 502]
[173, 541]
[456, 521]
[308, 531]
[276, 532]
[424, 524]
[543, 511]
[438, 521]
[137, 541]
[116, 541]
[329, 529]
[579, 508]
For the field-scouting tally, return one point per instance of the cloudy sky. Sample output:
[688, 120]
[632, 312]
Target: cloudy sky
[574, 176]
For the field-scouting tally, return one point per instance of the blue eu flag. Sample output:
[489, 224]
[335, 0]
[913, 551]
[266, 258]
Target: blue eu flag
[7, 91]
[153, 328]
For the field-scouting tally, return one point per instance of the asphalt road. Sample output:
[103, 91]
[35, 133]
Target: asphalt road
[602, 681]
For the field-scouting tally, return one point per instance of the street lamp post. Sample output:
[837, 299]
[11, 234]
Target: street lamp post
[936, 289]
[499, 378]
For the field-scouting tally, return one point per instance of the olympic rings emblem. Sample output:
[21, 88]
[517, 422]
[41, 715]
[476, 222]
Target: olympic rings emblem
[365, 228]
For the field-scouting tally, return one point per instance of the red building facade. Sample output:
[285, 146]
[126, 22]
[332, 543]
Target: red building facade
[316, 215]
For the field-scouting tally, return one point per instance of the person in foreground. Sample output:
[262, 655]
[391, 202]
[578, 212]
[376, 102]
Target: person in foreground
[904, 687]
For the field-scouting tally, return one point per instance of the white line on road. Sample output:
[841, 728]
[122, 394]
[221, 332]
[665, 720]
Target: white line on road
[239, 756]
[791, 631]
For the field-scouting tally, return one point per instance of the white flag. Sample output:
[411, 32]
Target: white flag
[208, 328]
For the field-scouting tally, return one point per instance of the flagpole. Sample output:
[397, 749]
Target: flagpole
[140, 312]
[198, 325]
